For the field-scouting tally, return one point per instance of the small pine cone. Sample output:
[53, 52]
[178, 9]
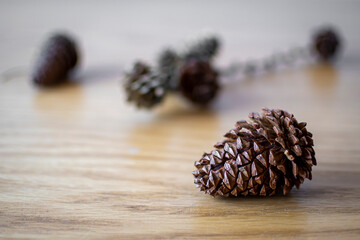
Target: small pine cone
[143, 87]
[58, 56]
[326, 43]
[267, 155]
[168, 64]
[205, 48]
[199, 82]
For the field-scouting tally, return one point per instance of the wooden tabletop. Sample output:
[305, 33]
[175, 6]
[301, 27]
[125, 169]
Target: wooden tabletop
[78, 162]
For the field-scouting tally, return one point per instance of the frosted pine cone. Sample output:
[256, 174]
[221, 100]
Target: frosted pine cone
[168, 65]
[267, 155]
[58, 56]
[199, 82]
[144, 87]
[204, 48]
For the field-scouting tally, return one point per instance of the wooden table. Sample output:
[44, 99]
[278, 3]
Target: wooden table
[79, 162]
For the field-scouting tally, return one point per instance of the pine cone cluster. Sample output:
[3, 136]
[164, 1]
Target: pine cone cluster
[144, 87]
[190, 73]
[326, 43]
[58, 56]
[198, 82]
[264, 156]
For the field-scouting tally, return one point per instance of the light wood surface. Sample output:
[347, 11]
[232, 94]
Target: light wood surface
[78, 162]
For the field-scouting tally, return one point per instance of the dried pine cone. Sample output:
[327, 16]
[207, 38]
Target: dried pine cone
[198, 82]
[267, 155]
[168, 64]
[58, 56]
[144, 87]
[326, 43]
[204, 48]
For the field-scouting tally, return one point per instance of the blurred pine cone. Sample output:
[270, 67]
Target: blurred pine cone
[326, 43]
[198, 82]
[204, 48]
[168, 64]
[267, 155]
[143, 87]
[58, 56]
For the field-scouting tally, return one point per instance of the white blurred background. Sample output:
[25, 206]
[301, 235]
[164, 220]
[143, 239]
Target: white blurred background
[119, 32]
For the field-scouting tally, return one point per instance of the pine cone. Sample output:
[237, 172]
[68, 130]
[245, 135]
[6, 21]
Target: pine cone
[267, 155]
[144, 87]
[199, 82]
[326, 43]
[168, 64]
[58, 56]
[205, 49]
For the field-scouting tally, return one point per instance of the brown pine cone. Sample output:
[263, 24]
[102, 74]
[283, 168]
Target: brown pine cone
[198, 82]
[326, 43]
[58, 56]
[267, 155]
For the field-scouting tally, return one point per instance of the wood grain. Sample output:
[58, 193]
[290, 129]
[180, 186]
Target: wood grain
[78, 162]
